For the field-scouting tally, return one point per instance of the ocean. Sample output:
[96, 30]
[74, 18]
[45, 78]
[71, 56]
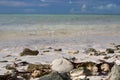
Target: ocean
[33, 29]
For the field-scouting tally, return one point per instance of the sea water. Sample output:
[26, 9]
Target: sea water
[29, 29]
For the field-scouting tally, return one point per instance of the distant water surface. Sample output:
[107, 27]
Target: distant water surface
[29, 29]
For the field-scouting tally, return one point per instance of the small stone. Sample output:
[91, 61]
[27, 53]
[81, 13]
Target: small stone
[73, 52]
[27, 51]
[109, 50]
[36, 73]
[59, 49]
[62, 65]
[77, 72]
[95, 70]
[90, 50]
[44, 69]
[46, 51]
[105, 68]
[23, 63]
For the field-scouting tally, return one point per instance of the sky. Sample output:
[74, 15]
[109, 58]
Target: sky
[60, 6]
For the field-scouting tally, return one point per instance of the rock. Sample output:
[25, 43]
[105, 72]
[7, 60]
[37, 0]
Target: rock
[46, 51]
[105, 68]
[59, 49]
[93, 54]
[77, 72]
[117, 47]
[4, 61]
[43, 69]
[109, 50]
[117, 51]
[90, 50]
[80, 77]
[62, 65]
[36, 73]
[5, 77]
[10, 67]
[115, 73]
[73, 52]
[55, 76]
[95, 71]
[27, 51]
[23, 63]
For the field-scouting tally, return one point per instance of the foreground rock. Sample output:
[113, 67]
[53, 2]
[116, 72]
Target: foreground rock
[115, 73]
[55, 76]
[27, 51]
[61, 65]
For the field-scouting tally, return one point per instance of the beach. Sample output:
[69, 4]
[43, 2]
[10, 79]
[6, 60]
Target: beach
[66, 32]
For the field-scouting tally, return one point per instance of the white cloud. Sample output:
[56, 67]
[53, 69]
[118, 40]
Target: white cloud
[84, 6]
[107, 6]
[110, 6]
[12, 3]
[21, 4]
[29, 10]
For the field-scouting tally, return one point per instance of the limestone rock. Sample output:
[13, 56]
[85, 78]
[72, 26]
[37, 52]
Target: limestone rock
[61, 65]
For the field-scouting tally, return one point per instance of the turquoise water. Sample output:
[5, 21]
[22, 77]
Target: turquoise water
[27, 30]
[51, 22]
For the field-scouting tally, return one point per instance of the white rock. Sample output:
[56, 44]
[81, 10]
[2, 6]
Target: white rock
[61, 65]
[117, 62]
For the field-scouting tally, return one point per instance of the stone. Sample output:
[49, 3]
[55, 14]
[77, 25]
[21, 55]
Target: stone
[109, 50]
[117, 47]
[58, 49]
[93, 54]
[115, 73]
[73, 51]
[95, 71]
[55, 76]
[105, 68]
[62, 65]
[90, 50]
[5, 77]
[27, 51]
[22, 63]
[80, 77]
[36, 73]
[10, 67]
[43, 69]
[77, 72]
[46, 51]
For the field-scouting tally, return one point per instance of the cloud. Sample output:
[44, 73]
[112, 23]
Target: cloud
[84, 6]
[110, 5]
[107, 6]
[29, 10]
[12, 3]
[22, 4]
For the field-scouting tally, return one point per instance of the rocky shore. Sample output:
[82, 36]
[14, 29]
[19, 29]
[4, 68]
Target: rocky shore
[55, 63]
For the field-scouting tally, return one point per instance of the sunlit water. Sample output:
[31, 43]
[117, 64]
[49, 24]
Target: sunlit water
[27, 30]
